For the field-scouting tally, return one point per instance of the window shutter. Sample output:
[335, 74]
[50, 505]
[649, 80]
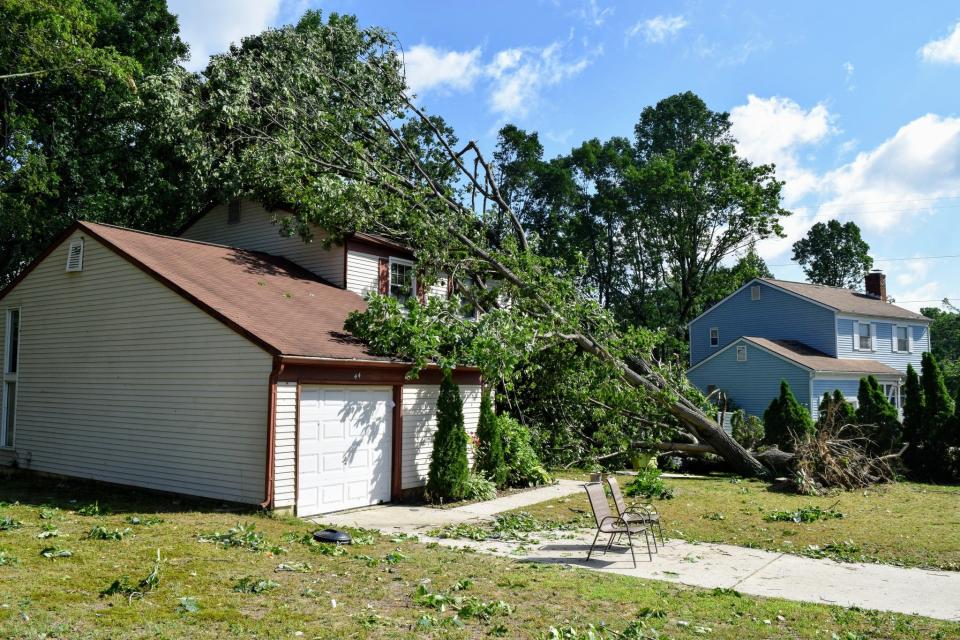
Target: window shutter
[856, 336]
[909, 339]
[894, 337]
[873, 336]
[383, 280]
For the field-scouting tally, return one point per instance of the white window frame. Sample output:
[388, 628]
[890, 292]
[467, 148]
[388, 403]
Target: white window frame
[856, 336]
[755, 292]
[896, 392]
[10, 377]
[741, 350]
[413, 276]
[714, 330]
[895, 340]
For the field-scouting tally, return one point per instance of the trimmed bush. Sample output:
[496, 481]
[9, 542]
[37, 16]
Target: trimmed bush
[878, 419]
[479, 488]
[786, 420]
[449, 469]
[747, 430]
[523, 466]
[489, 456]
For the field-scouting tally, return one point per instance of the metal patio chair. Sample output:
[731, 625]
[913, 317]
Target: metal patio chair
[614, 525]
[644, 513]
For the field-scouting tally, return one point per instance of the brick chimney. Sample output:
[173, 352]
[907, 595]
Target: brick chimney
[876, 284]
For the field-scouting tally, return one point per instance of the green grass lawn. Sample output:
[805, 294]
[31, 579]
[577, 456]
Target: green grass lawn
[370, 590]
[907, 523]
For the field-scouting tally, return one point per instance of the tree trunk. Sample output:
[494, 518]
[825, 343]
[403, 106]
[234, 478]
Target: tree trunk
[700, 424]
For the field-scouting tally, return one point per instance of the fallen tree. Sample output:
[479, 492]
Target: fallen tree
[317, 118]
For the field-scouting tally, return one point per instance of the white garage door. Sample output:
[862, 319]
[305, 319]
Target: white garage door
[344, 448]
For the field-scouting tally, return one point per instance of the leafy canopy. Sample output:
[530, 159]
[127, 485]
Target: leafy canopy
[834, 255]
[83, 133]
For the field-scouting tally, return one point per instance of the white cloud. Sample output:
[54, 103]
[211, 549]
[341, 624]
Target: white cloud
[911, 285]
[658, 29]
[519, 75]
[594, 14]
[430, 68]
[513, 78]
[848, 70]
[774, 130]
[903, 176]
[210, 26]
[946, 50]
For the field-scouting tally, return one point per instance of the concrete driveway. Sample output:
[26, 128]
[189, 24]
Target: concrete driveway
[752, 571]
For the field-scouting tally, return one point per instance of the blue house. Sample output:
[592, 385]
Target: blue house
[816, 338]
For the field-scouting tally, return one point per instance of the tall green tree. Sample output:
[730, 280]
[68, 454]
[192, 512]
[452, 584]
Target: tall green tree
[913, 410]
[449, 467]
[697, 201]
[786, 420]
[80, 137]
[945, 342]
[877, 418]
[834, 255]
[489, 456]
[938, 406]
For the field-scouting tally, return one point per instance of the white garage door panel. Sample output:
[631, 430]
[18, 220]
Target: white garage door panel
[345, 448]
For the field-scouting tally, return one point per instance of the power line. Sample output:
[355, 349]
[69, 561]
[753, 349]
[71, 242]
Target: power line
[954, 255]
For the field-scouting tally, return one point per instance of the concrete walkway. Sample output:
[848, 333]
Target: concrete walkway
[752, 571]
[393, 518]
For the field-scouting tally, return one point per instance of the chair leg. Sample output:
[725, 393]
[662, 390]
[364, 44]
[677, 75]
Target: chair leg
[654, 536]
[630, 542]
[593, 544]
[660, 529]
[645, 537]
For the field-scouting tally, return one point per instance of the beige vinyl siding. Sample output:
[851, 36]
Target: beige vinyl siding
[258, 232]
[285, 446]
[363, 273]
[420, 423]
[438, 290]
[122, 380]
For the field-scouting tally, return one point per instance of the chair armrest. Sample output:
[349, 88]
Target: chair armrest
[615, 519]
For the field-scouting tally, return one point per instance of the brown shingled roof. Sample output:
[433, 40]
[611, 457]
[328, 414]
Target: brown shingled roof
[284, 308]
[818, 360]
[846, 300]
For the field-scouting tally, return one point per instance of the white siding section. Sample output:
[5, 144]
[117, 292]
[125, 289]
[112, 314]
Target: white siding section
[438, 290]
[256, 231]
[420, 423]
[285, 446]
[363, 273]
[122, 380]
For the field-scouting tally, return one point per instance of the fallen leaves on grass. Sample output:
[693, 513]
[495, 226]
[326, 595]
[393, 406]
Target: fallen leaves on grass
[54, 552]
[100, 532]
[804, 515]
[123, 586]
[248, 584]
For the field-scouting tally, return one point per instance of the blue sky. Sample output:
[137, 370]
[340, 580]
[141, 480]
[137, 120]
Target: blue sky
[855, 102]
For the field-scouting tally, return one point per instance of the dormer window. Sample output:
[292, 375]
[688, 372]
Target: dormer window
[403, 281]
[755, 292]
[714, 337]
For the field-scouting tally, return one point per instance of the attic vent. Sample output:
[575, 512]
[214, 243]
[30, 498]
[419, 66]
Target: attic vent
[741, 353]
[75, 255]
[233, 212]
[755, 292]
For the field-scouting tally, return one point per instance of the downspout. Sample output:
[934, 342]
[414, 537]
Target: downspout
[271, 431]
